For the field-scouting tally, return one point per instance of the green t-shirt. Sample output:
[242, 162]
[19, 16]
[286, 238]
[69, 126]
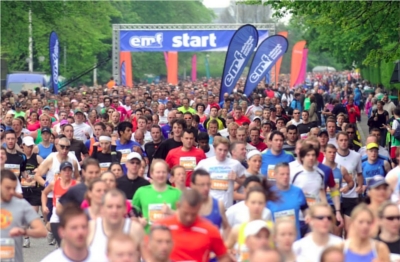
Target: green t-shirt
[184, 110]
[307, 103]
[17, 114]
[149, 202]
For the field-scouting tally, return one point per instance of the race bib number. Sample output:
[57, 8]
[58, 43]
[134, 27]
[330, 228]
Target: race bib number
[337, 185]
[25, 183]
[244, 255]
[125, 153]
[57, 176]
[271, 172]
[7, 250]
[16, 169]
[285, 214]
[155, 212]
[311, 199]
[220, 184]
[189, 162]
[104, 166]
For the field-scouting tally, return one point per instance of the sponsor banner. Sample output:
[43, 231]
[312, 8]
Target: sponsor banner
[126, 69]
[267, 54]
[194, 68]
[54, 54]
[178, 40]
[297, 58]
[241, 48]
[303, 70]
[276, 71]
[123, 74]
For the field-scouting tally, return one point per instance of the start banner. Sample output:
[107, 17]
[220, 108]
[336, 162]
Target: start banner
[179, 40]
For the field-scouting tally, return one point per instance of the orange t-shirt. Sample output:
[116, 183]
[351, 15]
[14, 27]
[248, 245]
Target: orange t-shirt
[111, 84]
[194, 243]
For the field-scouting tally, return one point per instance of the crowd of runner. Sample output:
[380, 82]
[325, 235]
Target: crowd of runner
[169, 173]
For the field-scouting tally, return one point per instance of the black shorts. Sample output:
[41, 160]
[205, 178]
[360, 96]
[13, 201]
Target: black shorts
[348, 204]
[33, 195]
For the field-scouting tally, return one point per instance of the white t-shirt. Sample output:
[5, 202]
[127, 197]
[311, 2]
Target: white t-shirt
[211, 152]
[293, 122]
[333, 141]
[224, 132]
[239, 214]
[147, 137]
[395, 172]
[310, 182]
[352, 163]
[163, 120]
[251, 111]
[221, 186]
[306, 250]
[80, 129]
[59, 256]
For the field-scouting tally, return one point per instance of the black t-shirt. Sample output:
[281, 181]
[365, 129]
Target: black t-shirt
[113, 157]
[78, 147]
[394, 247]
[129, 186]
[165, 147]
[305, 128]
[150, 148]
[75, 195]
[14, 161]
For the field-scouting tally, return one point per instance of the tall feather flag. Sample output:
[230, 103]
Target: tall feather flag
[267, 54]
[240, 49]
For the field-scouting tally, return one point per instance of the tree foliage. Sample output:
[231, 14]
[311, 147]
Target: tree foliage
[85, 29]
[364, 32]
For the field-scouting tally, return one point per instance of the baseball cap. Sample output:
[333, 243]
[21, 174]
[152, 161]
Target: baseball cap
[28, 141]
[65, 165]
[46, 129]
[78, 111]
[10, 112]
[284, 100]
[134, 155]
[63, 122]
[376, 181]
[252, 153]
[46, 108]
[321, 132]
[372, 145]
[18, 104]
[257, 117]
[252, 228]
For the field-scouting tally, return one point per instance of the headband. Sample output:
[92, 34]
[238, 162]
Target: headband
[105, 138]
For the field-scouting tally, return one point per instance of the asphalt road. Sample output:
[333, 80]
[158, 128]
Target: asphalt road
[39, 247]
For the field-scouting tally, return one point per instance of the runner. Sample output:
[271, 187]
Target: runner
[159, 245]
[111, 221]
[285, 234]
[125, 145]
[31, 190]
[311, 246]
[203, 143]
[76, 145]
[158, 199]
[187, 224]
[131, 182]
[3, 160]
[274, 155]
[257, 236]
[224, 171]
[269, 255]
[18, 219]
[331, 128]
[292, 198]
[44, 148]
[178, 125]
[98, 128]
[389, 218]
[58, 187]
[393, 180]
[332, 254]
[73, 229]
[94, 197]
[187, 155]
[82, 131]
[359, 246]
[108, 153]
[211, 208]
[373, 165]
[151, 147]
[122, 248]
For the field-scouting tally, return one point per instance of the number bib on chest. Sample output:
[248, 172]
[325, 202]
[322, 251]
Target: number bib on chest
[188, 162]
[7, 250]
[271, 174]
[311, 199]
[104, 166]
[285, 214]
[16, 169]
[219, 177]
[155, 212]
[125, 153]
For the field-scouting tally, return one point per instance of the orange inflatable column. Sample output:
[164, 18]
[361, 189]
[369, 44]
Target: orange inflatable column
[172, 72]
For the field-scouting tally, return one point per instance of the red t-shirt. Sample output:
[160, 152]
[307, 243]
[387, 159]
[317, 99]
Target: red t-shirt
[215, 105]
[321, 157]
[242, 120]
[188, 160]
[261, 146]
[194, 243]
[353, 115]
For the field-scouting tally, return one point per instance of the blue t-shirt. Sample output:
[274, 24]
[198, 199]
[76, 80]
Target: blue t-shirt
[166, 130]
[291, 202]
[337, 175]
[269, 161]
[125, 150]
[370, 170]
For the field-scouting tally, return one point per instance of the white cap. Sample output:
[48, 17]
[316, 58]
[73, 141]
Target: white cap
[252, 228]
[133, 155]
[10, 112]
[252, 153]
[28, 141]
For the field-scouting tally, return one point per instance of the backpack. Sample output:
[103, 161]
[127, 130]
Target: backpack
[397, 131]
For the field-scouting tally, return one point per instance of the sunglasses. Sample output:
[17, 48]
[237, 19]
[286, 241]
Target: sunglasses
[391, 218]
[350, 133]
[24, 108]
[329, 218]
[64, 147]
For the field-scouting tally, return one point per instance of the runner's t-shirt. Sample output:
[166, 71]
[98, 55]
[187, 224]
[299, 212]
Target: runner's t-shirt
[269, 161]
[194, 243]
[150, 202]
[221, 186]
[16, 213]
[292, 202]
[352, 163]
[187, 159]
